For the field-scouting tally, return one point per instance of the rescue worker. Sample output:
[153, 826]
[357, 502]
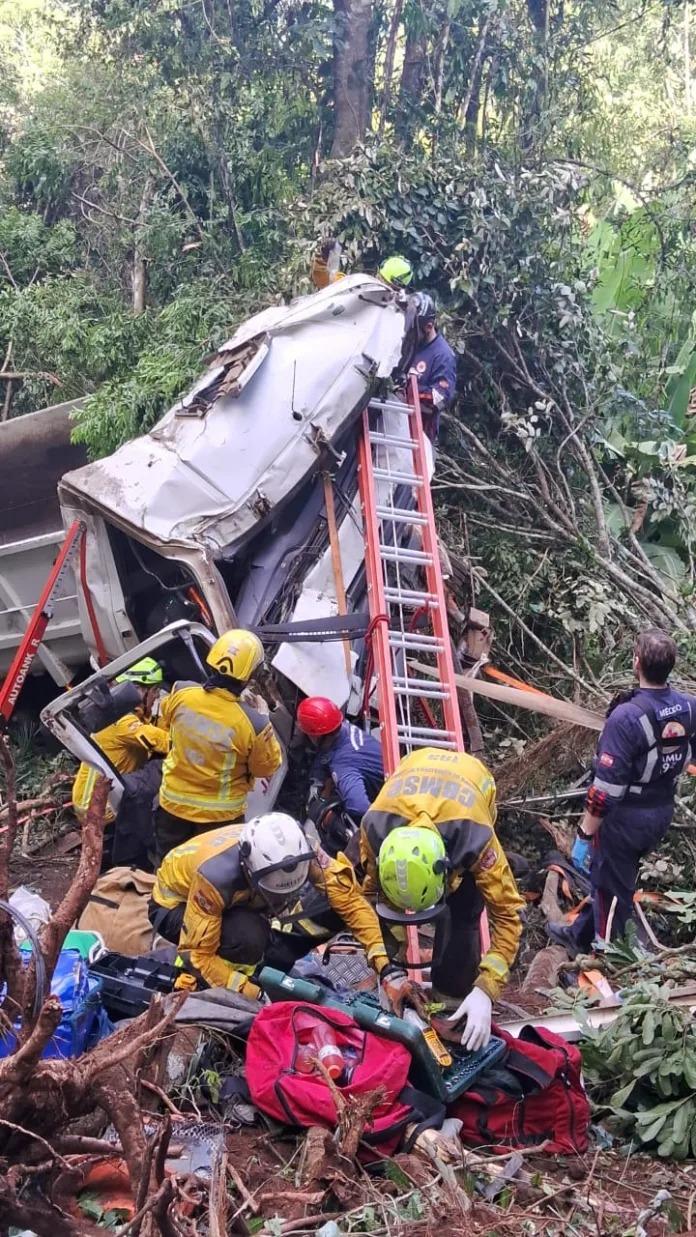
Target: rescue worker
[434, 365]
[645, 745]
[216, 895]
[344, 753]
[130, 741]
[428, 846]
[396, 271]
[219, 745]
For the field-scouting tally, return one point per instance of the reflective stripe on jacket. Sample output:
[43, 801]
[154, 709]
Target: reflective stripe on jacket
[455, 794]
[644, 747]
[219, 745]
[127, 743]
[206, 873]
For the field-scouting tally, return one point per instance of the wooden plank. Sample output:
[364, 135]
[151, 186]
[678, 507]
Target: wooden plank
[536, 702]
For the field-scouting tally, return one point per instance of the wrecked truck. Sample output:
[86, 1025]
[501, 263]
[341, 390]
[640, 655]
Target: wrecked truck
[217, 515]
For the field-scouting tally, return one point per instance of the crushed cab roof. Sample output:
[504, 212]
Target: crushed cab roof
[251, 428]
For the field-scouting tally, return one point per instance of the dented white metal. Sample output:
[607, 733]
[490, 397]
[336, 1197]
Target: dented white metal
[205, 481]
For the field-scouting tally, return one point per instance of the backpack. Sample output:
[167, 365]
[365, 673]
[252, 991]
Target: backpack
[532, 1096]
[117, 908]
[300, 1099]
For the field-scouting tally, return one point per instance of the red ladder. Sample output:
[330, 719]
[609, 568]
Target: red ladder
[405, 591]
[396, 504]
[43, 613]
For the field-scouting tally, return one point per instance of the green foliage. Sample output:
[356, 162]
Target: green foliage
[68, 327]
[32, 250]
[643, 1072]
[39, 169]
[110, 1218]
[166, 353]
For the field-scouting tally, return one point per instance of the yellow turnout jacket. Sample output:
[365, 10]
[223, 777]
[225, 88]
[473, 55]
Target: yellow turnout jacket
[207, 874]
[455, 794]
[128, 744]
[219, 745]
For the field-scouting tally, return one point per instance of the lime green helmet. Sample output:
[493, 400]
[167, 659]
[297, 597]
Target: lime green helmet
[147, 672]
[396, 271]
[412, 864]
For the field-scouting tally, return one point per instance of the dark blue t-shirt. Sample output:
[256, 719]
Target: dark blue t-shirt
[354, 763]
[435, 367]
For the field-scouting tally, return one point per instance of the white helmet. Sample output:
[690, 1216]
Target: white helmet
[276, 855]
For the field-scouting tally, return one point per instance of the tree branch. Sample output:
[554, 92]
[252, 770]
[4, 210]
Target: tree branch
[53, 933]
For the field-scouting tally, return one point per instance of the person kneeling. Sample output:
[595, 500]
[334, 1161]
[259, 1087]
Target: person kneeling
[216, 895]
[430, 853]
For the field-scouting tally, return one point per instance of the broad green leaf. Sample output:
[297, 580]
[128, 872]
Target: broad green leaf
[615, 518]
[619, 1097]
[666, 561]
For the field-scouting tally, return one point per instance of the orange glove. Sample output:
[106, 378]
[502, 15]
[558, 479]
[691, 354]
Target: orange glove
[400, 991]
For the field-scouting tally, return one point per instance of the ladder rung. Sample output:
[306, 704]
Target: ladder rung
[409, 597]
[403, 681]
[402, 478]
[448, 743]
[422, 693]
[395, 554]
[391, 440]
[424, 732]
[399, 515]
[408, 640]
[391, 406]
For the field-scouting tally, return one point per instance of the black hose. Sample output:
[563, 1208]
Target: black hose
[40, 965]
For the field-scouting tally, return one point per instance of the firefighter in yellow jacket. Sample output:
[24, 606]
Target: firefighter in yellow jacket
[428, 846]
[219, 745]
[130, 741]
[216, 895]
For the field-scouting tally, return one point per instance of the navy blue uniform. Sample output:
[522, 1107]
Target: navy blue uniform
[435, 367]
[354, 764]
[645, 745]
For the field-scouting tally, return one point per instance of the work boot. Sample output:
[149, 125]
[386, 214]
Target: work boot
[562, 934]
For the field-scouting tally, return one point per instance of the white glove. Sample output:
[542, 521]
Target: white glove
[477, 1008]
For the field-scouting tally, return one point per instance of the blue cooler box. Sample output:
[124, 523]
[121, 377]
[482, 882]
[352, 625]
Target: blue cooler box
[83, 1022]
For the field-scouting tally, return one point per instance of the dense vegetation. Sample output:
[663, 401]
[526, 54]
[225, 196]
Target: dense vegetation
[167, 168]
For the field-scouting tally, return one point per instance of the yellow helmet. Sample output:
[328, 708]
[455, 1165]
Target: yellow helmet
[236, 653]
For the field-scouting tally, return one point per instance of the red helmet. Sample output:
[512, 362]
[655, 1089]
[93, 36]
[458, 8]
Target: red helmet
[318, 716]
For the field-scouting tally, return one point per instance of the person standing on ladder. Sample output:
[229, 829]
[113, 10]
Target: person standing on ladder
[430, 853]
[434, 365]
[219, 745]
[645, 745]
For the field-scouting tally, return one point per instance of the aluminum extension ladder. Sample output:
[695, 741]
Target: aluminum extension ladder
[406, 594]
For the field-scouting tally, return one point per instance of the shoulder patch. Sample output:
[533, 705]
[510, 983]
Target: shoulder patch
[204, 904]
[606, 759]
[488, 859]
